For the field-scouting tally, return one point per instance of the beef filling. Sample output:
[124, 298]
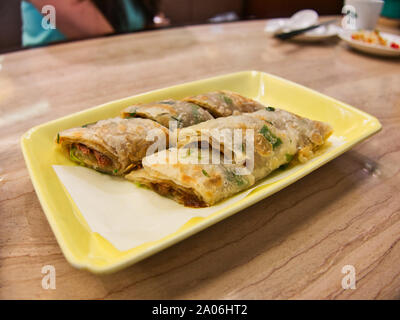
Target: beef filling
[188, 199]
[102, 160]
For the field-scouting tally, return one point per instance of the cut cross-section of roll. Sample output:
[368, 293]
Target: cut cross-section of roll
[115, 146]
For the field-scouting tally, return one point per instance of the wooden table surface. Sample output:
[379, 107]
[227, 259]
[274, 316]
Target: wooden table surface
[292, 245]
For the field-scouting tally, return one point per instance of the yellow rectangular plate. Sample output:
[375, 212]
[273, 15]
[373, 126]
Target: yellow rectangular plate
[88, 250]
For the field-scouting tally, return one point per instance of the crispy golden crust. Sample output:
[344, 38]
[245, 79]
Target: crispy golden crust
[310, 133]
[224, 103]
[182, 113]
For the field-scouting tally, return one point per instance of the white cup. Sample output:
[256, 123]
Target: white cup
[366, 13]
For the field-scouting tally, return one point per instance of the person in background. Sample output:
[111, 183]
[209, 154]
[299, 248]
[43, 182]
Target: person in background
[79, 19]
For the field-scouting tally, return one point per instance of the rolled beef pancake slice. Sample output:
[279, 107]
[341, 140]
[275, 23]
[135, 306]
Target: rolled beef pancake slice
[189, 183]
[277, 139]
[183, 113]
[113, 146]
[224, 103]
[307, 134]
[311, 134]
[198, 182]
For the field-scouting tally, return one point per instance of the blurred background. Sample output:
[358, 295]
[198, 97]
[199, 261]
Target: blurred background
[21, 21]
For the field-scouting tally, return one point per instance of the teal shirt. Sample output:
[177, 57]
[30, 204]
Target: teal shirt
[33, 34]
[135, 17]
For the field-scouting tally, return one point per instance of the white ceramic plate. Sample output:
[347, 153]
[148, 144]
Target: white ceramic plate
[319, 34]
[375, 49]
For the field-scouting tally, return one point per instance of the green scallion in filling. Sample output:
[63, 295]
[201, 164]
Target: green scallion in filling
[273, 139]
